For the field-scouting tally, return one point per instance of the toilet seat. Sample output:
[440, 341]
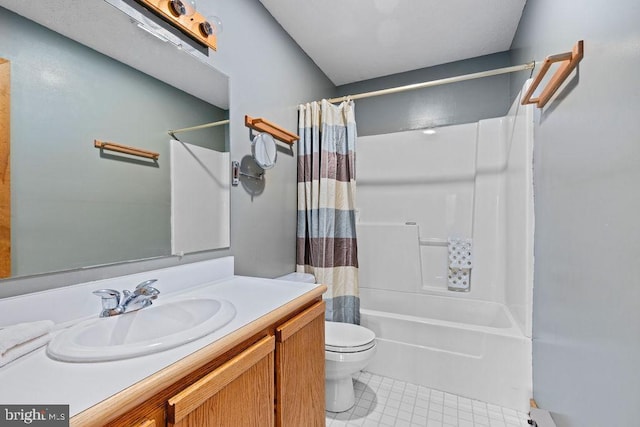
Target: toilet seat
[347, 338]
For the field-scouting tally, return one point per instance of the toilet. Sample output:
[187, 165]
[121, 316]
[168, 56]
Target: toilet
[347, 349]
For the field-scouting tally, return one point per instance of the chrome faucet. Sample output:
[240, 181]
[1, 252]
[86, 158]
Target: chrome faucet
[114, 304]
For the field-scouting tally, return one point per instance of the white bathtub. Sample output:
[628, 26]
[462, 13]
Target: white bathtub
[468, 347]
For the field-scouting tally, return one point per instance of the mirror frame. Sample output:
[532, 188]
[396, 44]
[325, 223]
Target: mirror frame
[5, 173]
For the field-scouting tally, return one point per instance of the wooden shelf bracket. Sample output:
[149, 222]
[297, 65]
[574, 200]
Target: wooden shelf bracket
[571, 59]
[112, 146]
[263, 125]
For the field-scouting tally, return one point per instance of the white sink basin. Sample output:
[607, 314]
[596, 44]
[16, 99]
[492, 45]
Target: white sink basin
[140, 332]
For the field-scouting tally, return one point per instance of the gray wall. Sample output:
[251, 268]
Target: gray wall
[587, 243]
[72, 207]
[269, 75]
[456, 103]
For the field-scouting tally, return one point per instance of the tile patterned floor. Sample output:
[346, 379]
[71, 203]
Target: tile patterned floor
[382, 401]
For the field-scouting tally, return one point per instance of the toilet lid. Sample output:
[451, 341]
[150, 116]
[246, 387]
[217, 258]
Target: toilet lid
[347, 338]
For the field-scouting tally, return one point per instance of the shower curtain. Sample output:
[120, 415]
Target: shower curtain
[326, 230]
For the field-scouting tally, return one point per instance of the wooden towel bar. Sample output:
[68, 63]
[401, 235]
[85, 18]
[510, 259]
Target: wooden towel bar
[572, 59]
[263, 125]
[112, 146]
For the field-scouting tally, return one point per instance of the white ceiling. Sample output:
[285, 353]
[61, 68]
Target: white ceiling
[354, 40]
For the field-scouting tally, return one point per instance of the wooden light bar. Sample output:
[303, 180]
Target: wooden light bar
[190, 25]
[572, 59]
[112, 146]
[263, 125]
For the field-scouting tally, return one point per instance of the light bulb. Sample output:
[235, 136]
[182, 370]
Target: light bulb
[191, 7]
[182, 7]
[211, 27]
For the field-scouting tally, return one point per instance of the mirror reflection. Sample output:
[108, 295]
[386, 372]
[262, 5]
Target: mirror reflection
[263, 149]
[73, 205]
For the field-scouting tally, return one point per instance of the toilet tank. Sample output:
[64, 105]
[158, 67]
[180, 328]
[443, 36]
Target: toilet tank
[298, 277]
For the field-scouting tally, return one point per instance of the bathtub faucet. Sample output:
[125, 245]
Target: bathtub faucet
[114, 304]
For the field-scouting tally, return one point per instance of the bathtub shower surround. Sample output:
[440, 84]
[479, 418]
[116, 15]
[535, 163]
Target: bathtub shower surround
[472, 182]
[326, 231]
[200, 198]
[469, 347]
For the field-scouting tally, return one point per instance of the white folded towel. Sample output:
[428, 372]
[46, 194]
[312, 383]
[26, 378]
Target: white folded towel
[460, 263]
[24, 348]
[22, 338]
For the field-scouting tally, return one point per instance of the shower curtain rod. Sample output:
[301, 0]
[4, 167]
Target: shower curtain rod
[497, 71]
[204, 126]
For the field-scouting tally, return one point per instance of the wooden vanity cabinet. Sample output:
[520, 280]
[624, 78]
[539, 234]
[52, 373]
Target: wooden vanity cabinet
[274, 378]
[300, 398]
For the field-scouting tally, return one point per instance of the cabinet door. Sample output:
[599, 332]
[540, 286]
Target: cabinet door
[238, 393]
[300, 399]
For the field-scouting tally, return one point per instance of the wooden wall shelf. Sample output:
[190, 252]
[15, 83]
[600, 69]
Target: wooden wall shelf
[190, 25]
[263, 125]
[571, 59]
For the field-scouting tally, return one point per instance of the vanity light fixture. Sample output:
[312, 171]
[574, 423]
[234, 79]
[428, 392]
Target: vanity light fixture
[183, 15]
[429, 131]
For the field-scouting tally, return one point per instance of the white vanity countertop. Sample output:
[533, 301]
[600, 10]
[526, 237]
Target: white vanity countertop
[38, 379]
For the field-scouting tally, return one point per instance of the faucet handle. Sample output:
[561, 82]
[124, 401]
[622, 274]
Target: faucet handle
[147, 290]
[110, 298]
[146, 284]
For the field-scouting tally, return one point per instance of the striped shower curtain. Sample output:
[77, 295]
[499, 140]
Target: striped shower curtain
[326, 233]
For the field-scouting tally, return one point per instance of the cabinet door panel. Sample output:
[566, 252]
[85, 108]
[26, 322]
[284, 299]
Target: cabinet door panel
[300, 398]
[238, 393]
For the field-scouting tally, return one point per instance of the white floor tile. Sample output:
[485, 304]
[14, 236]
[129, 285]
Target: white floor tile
[437, 416]
[417, 419]
[382, 401]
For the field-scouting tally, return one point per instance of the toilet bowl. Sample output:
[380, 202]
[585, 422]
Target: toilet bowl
[348, 349]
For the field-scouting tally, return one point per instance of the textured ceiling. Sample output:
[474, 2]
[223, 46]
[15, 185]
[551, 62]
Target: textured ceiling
[354, 40]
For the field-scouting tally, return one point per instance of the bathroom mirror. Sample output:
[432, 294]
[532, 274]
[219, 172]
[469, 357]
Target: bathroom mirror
[74, 206]
[264, 150]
